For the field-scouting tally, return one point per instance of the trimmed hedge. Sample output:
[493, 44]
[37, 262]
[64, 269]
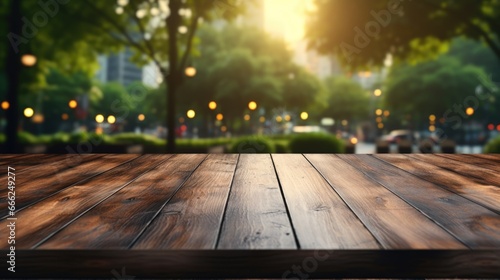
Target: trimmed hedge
[493, 146]
[315, 143]
[252, 145]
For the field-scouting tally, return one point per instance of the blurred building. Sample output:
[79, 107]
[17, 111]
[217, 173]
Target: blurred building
[118, 68]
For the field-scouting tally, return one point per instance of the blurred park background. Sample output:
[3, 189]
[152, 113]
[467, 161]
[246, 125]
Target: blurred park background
[325, 76]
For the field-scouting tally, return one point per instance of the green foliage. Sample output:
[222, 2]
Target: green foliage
[27, 138]
[406, 29]
[316, 143]
[252, 145]
[132, 138]
[346, 99]
[493, 146]
[431, 87]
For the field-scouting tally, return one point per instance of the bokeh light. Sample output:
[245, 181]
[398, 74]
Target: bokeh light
[5, 105]
[219, 117]
[141, 117]
[111, 119]
[252, 105]
[99, 118]
[212, 105]
[29, 112]
[377, 92]
[469, 111]
[304, 116]
[190, 71]
[191, 114]
[72, 104]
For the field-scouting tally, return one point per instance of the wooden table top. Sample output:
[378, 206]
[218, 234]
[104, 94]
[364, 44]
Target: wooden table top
[254, 215]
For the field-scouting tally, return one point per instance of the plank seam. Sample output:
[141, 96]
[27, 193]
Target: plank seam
[411, 204]
[440, 185]
[345, 202]
[99, 202]
[288, 213]
[227, 202]
[164, 204]
[72, 185]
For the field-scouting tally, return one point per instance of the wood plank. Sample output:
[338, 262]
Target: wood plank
[485, 195]
[48, 165]
[477, 174]
[115, 223]
[493, 157]
[22, 161]
[256, 216]
[473, 160]
[192, 218]
[395, 223]
[251, 264]
[472, 224]
[28, 190]
[44, 219]
[319, 216]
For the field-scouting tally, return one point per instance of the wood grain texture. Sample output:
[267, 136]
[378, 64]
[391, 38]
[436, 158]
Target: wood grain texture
[485, 195]
[192, 218]
[473, 160]
[320, 218]
[58, 176]
[474, 225]
[394, 223]
[256, 216]
[115, 223]
[25, 161]
[250, 264]
[477, 174]
[42, 220]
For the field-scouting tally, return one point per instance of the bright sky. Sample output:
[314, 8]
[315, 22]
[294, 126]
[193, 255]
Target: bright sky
[286, 18]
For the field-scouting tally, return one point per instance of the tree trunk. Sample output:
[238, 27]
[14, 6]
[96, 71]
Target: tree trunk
[13, 69]
[173, 22]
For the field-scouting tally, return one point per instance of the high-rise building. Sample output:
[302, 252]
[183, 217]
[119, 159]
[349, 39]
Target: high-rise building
[118, 68]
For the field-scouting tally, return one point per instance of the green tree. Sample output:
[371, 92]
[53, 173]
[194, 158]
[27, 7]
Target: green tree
[442, 85]
[363, 32]
[36, 27]
[160, 31]
[347, 100]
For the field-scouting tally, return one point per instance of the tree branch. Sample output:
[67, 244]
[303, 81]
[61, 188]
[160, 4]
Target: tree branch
[118, 27]
[189, 44]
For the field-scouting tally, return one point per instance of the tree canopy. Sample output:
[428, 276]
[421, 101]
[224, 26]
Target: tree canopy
[362, 32]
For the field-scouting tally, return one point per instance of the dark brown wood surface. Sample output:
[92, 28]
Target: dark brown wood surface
[267, 216]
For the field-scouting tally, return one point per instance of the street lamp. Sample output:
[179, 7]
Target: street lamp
[252, 105]
[29, 112]
[28, 60]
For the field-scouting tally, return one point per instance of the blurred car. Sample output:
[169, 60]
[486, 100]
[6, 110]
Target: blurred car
[395, 136]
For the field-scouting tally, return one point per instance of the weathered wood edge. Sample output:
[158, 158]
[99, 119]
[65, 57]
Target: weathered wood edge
[255, 264]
